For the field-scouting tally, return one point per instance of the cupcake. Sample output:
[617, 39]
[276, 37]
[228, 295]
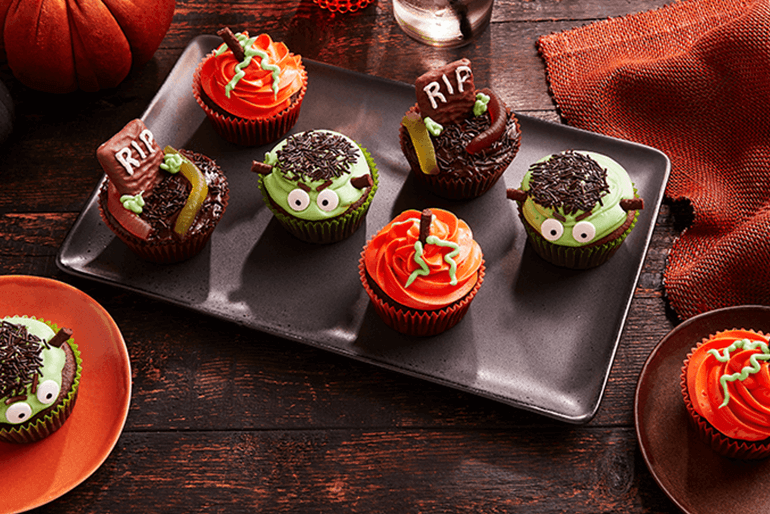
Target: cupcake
[319, 184]
[162, 203]
[577, 208]
[726, 389]
[40, 369]
[458, 141]
[422, 271]
[251, 88]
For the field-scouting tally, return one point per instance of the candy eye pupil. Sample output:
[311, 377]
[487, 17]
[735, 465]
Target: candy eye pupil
[584, 232]
[298, 200]
[552, 229]
[327, 200]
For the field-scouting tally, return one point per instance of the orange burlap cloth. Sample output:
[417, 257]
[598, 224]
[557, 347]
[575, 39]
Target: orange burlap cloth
[693, 80]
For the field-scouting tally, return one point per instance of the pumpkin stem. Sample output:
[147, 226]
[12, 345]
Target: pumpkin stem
[232, 43]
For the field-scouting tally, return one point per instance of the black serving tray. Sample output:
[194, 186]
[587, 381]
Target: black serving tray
[537, 337]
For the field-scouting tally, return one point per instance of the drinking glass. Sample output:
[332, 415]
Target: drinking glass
[443, 22]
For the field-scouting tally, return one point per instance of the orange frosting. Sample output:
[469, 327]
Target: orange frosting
[390, 261]
[253, 96]
[746, 414]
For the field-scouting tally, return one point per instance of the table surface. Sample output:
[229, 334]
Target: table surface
[227, 419]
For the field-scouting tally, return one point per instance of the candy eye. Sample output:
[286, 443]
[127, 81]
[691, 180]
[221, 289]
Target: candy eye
[327, 200]
[299, 200]
[18, 413]
[551, 229]
[47, 392]
[584, 231]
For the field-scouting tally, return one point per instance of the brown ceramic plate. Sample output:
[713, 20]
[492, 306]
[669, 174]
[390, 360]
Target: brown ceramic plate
[689, 472]
[529, 316]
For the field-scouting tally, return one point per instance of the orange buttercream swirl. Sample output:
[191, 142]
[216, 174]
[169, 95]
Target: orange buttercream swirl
[744, 412]
[254, 94]
[393, 260]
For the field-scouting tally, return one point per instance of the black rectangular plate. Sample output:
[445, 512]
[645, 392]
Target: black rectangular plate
[537, 337]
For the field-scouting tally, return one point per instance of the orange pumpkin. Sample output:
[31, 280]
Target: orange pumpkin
[59, 46]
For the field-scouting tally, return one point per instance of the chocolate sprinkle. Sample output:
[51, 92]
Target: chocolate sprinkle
[450, 147]
[20, 358]
[316, 155]
[163, 205]
[570, 181]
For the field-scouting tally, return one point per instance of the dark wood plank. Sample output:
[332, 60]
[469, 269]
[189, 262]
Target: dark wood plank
[228, 419]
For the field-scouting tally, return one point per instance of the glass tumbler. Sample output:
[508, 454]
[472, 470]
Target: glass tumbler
[444, 23]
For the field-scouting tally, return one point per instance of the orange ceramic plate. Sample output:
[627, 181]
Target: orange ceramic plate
[35, 474]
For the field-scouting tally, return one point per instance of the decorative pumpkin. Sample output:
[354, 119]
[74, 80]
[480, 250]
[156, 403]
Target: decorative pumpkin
[59, 46]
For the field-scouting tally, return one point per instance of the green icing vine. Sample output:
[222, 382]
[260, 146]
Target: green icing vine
[744, 373]
[249, 53]
[448, 258]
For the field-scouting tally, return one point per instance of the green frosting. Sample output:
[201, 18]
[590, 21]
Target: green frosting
[133, 203]
[435, 129]
[172, 162]
[743, 374]
[249, 53]
[51, 369]
[480, 107]
[284, 187]
[606, 216]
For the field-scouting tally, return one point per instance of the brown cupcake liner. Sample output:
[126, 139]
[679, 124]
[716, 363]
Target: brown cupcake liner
[452, 187]
[716, 440]
[160, 252]
[54, 420]
[245, 131]
[583, 257]
[415, 322]
[326, 231]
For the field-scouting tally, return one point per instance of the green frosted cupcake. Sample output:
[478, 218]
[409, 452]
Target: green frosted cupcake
[319, 184]
[40, 371]
[577, 208]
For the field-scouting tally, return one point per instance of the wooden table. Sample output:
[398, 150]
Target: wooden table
[225, 419]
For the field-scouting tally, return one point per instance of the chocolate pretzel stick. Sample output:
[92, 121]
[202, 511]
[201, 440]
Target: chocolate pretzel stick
[232, 43]
[362, 182]
[261, 168]
[632, 204]
[425, 218]
[60, 337]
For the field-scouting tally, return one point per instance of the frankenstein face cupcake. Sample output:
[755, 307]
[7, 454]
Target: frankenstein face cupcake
[40, 369]
[577, 208]
[251, 88]
[726, 389]
[422, 271]
[162, 203]
[458, 140]
[318, 184]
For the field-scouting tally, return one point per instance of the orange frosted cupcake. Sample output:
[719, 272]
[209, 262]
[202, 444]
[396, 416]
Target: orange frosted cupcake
[422, 270]
[726, 388]
[251, 88]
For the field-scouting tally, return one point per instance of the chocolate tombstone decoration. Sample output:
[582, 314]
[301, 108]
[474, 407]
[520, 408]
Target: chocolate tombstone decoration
[131, 158]
[446, 94]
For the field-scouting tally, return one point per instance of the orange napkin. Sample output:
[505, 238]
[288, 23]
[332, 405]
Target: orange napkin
[693, 80]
